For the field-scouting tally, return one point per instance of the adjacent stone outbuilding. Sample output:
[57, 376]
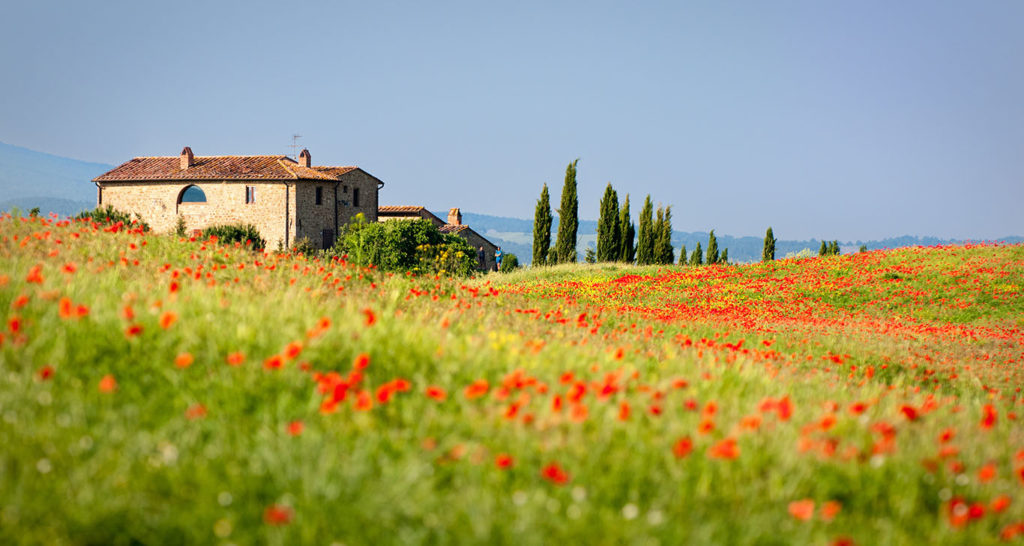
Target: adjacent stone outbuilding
[454, 225]
[285, 199]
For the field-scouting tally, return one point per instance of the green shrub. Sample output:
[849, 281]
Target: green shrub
[237, 233]
[110, 215]
[509, 263]
[405, 245]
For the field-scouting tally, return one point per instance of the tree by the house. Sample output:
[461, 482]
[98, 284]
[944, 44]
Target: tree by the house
[724, 259]
[568, 217]
[608, 247]
[627, 232]
[712, 257]
[542, 220]
[768, 252]
[645, 239]
[696, 257]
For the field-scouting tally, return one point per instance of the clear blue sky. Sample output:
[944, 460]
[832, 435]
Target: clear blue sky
[853, 120]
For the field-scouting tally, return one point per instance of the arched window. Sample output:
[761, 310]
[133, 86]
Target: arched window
[191, 194]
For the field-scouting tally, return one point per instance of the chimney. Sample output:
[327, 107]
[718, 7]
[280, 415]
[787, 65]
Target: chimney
[187, 159]
[304, 159]
[455, 217]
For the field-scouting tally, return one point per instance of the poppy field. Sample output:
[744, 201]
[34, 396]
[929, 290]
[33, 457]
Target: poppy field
[161, 390]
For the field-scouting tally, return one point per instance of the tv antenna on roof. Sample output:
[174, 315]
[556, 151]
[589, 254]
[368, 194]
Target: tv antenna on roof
[295, 145]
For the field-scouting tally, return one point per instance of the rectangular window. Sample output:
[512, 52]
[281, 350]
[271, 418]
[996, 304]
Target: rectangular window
[250, 194]
[319, 195]
[345, 188]
[355, 197]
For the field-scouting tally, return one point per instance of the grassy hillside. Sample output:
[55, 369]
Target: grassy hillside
[159, 390]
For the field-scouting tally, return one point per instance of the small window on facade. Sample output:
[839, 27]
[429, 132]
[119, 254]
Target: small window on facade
[344, 189]
[319, 195]
[355, 197]
[192, 194]
[250, 194]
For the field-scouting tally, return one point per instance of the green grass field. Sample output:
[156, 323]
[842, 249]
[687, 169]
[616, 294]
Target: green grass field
[164, 391]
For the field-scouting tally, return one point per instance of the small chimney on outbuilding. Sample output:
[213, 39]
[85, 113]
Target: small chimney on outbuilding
[187, 159]
[304, 159]
[455, 217]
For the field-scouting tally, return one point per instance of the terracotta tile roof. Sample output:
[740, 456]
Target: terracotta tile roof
[399, 209]
[249, 167]
[452, 228]
[334, 172]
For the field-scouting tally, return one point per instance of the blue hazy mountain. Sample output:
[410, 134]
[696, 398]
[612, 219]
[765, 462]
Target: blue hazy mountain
[54, 184]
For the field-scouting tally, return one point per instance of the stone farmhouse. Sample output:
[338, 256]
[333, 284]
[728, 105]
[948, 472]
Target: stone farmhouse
[453, 225]
[286, 200]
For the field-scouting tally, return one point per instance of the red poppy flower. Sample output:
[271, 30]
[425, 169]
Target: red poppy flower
[364, 402]
[555, 474]
[361, 362]
[989, 417]
[274, 362]
[725, 449]
[292, 350]
[1000, 503]
[503, 461]
[195, 411]
[236, 359]
[802, 510]
[623, 411]
[476, 389]
[184, 360]
[108, 384]
[133, 330]
[167, 319]
[46, 372]
[437, 393]
[295, 428]
[830, 509]
[370, 317]
[682, 447]
[277, 515]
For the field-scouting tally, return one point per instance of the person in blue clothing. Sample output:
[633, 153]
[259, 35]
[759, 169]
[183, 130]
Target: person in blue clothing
[498, 255]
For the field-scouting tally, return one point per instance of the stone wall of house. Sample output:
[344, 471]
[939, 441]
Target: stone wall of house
[312, 219]
[157, 204]
[367, 186]
[476, 241]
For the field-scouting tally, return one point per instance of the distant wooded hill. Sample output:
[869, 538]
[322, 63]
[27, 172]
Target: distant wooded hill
[58, 184]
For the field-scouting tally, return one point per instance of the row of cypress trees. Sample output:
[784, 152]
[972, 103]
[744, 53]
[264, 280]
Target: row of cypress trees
[616, 232]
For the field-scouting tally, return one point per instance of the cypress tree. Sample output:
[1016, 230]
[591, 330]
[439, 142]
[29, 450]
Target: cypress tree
[658, 229]
[712, 249]
[682, 255]
[665, 253]
[725, 256]
[835, 248]
[768, 252]
[608, 227]
[695, 258]
[645, 240]
[627, 232]
[542, 228]
[823, 250]
[568, 217]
